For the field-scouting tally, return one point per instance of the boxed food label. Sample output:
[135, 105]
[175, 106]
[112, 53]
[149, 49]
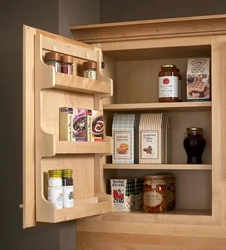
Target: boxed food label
[65, 124]
[123, 136]
[198, 79]
[153, 138]
[127, 194]
[95, 126]
[80, 125]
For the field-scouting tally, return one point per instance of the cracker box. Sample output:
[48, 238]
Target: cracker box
[123, 138]
[198, 79]
[127, 194]
[154, 138]
[95, 126]
[65, 124]
[80, 125]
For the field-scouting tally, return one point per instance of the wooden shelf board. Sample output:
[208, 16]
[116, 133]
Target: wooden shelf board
[66, 147]
[174, 106]
[160, 166]
[81, 84]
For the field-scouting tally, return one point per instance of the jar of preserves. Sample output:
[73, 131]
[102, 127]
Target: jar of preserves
[168, 83]
[54, 59]
[55, 188]
[194, 144]
[179, 85]
[68, 188]
[154, 194]
[67, 65]
[90, 70]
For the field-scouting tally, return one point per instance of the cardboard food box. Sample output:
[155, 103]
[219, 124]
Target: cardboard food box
[65, 124]
[95, 126]
[127, 194]
[154, 138]
[198, 79]
[80, 124]
[123, 138]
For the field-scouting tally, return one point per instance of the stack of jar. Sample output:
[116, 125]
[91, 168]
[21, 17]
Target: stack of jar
[159, 193]
[169, 84]
[60, 188]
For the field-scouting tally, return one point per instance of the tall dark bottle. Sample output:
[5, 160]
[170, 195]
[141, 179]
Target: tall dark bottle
[194, 144]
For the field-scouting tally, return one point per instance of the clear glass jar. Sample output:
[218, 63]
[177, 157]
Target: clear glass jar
[54, 59]
[67, 65]
[55, 188]
[168, 83]
[68, 188]
[90, 70]
[194, 144]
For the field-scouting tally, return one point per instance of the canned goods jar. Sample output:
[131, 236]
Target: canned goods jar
[68, 188]
[168, 83]
[170, 189]
[54, 59]
[55, 188]
[90, 70]
[154, 194]
[67, 65]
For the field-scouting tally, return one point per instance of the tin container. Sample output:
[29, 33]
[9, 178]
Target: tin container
[154, 194]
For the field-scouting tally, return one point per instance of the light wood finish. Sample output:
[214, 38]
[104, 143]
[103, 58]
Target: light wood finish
[159, 166]
[139, 49]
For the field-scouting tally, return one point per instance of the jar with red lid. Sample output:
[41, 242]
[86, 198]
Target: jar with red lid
[194, 144]
[67, 65]
[168, 83]
[154, 194]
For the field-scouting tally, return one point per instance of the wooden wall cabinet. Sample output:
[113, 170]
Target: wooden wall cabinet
[137, 50]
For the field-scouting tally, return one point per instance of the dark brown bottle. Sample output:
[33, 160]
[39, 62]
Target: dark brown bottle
[194, 144]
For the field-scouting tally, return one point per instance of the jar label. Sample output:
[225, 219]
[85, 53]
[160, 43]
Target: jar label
[149, 144]
[55, 196]
[168, 86]
[90, 73]
[55, 182]
[152, 198]
[68, 196]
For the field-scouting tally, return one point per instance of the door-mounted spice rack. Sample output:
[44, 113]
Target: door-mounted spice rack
[47, 144]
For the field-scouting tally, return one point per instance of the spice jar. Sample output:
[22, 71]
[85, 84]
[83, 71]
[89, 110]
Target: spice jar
[68, 188]
[55, 188]
[53, 58]
[90, 70]
[154, 195]
[168, 83]
[179, 85]
[194, 144]
[67, 65]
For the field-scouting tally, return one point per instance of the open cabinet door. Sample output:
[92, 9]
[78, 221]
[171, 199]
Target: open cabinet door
[44, 92]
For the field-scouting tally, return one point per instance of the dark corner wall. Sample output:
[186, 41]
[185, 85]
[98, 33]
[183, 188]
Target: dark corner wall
[54, 16]
[132, 10]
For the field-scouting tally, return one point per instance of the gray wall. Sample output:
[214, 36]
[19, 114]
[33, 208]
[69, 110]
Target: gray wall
[131, 10]
[45, 15]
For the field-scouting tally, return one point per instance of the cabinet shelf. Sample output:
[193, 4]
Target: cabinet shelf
[174, 106]
[160, 166]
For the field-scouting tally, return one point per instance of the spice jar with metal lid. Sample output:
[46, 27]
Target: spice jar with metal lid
[90, 70]
[194, 144]
[67, 65]
[168, 83]
[55, 188]
[154, 194]
[53, 58]
[68, 188]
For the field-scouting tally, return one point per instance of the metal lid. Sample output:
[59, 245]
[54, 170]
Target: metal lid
[67, 172]
[52, 56]
[168, 66]
[89, 65]
[55, 173]
[194, 129]
[67, 59]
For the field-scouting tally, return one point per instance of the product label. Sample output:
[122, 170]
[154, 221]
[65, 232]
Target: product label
[67, 69]
[168, 86]
[118, 189]
[55, 196]
[122, 142]
[68, 197]
[149, 144]
[152, 198]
